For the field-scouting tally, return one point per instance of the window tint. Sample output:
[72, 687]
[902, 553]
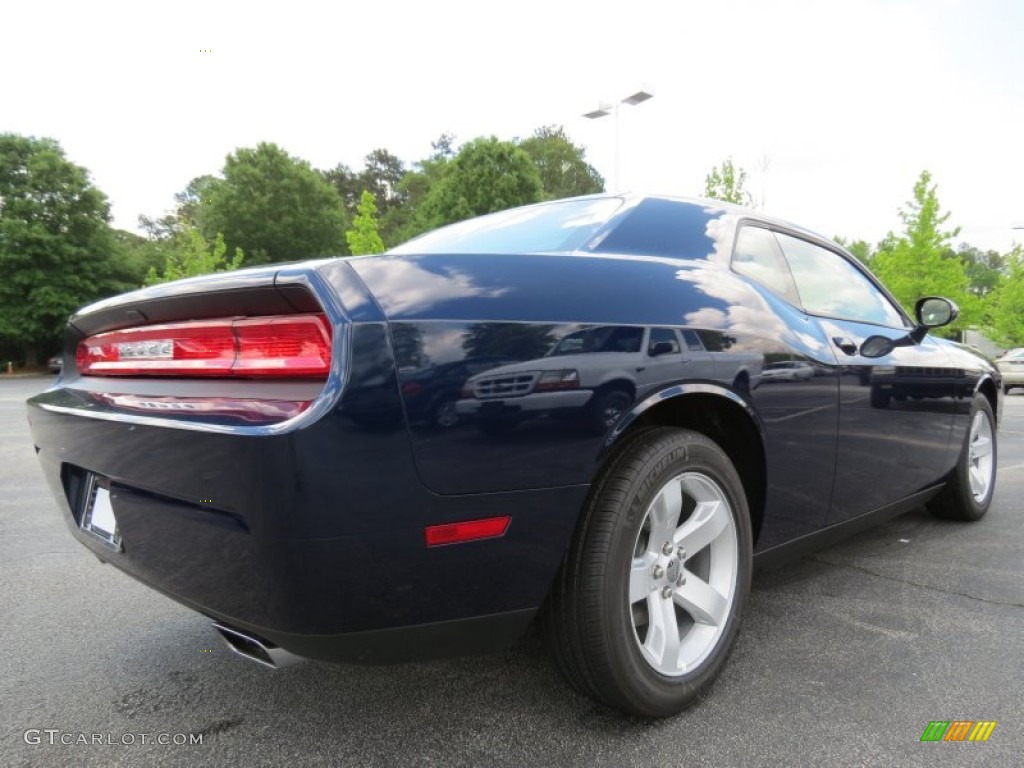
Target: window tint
[663, 335]
[757, 256]
[829, 285]
[693, 342]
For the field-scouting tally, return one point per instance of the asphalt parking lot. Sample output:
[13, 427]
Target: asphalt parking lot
[844, 658]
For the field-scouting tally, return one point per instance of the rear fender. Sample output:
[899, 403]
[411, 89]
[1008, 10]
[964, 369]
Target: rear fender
[638, 409]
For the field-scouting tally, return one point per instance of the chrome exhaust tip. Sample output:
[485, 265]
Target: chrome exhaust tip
[255, 649]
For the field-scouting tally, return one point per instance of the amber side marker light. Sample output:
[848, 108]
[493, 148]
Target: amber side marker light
[470, 530]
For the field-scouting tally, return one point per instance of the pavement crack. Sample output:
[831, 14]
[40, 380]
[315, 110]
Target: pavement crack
[930, 587]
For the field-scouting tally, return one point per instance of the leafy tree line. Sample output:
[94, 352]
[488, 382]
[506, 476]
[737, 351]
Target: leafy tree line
[275, 207]
[58, 250]
[921, 260]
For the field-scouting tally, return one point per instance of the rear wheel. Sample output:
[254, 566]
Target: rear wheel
[968, 494]
[647, 604]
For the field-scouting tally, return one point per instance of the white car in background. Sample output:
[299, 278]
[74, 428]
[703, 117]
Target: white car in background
[1011, 366]
[787, 370]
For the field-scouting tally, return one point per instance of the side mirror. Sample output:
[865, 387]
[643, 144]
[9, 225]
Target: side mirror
[877, 346]
[661, 348]
[935, 312]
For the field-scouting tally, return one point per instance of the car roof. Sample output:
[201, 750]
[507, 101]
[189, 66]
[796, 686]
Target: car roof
[739, 211]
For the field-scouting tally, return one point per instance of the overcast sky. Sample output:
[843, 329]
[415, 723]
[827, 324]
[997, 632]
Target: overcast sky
[834, 108]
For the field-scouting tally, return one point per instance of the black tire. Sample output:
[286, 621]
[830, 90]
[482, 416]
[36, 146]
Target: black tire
[589, 620]
[605, 408]
[958, 500]
[880, 398]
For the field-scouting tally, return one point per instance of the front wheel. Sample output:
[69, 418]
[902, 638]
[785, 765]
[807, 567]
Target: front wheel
[648, 602]
[968, 493]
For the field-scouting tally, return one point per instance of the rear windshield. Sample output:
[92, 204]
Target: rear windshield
[560, 226]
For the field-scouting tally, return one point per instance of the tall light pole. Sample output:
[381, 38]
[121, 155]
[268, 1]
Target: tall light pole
[613, 109]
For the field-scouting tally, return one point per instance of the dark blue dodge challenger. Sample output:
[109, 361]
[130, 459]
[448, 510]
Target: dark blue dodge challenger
[598, 412]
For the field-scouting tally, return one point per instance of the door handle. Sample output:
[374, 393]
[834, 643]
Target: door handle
[845, 344]
[641, 369]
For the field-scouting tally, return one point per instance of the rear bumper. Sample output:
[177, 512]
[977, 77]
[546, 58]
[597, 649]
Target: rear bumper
[313, 540]
[311, 536]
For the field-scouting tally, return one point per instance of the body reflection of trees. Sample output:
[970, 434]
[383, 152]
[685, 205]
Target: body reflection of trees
[510, 341]
[408, 343]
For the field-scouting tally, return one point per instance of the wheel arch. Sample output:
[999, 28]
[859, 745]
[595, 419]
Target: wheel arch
[987, 387]
[716, 412]
[617, 381]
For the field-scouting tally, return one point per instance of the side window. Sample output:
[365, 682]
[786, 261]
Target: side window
[757, 256]
[663, 336]
[623, 339]
[829, 285]
[693, 342]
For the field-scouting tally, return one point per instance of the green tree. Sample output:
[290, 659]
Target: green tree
[727, 183]
[195, 256]
[1006, 306]
[187, 211]
[382, 176]
[984, 269]
[139, 254]
[487, 175]
[920, 262]
[364, 237]
[511, 341]
[861, 249]
[407, 220]
[56, 247]
[563, 169]
[274, 207]
[346, 183]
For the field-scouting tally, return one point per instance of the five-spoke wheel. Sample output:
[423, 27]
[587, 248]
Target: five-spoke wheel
[969, 488]
[683, 577]
[647, 604]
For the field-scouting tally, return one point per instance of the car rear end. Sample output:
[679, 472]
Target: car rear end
[1011, 367]
[238, 443]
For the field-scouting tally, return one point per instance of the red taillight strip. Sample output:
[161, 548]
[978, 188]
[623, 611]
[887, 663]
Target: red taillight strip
[469, 530]
[293, 346]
